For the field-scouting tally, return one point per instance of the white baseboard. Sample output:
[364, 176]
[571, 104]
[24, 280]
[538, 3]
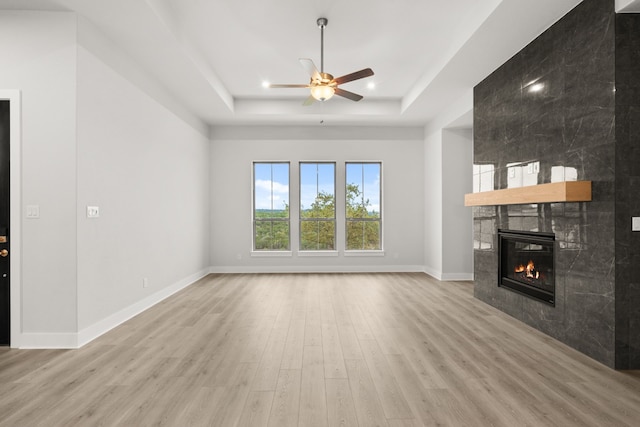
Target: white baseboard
[455, 277]
[436, 274]
[48, 340]
[447, 277]
[94, 331]
[77, 340]
[318, 269]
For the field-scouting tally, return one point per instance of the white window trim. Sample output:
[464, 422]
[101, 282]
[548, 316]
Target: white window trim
[268, 254]
[374, 252]
[314, 252]
[327, 253]
[253, 220]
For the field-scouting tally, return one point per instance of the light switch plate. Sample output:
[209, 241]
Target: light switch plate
[33, 211]
[93, 212]
[635, 223]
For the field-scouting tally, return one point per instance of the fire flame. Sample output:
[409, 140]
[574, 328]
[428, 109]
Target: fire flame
[529, 270]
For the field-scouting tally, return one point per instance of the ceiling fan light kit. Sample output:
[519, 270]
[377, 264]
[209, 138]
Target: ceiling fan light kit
[322, 93]
[322, 85]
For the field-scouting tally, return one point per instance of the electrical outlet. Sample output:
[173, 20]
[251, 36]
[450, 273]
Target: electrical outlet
[635, 223]
[145, 282]
[93, 212]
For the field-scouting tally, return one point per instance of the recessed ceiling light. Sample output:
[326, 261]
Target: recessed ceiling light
[266, 84]
[371, 85]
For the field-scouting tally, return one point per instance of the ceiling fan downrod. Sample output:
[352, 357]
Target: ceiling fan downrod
[322, 22]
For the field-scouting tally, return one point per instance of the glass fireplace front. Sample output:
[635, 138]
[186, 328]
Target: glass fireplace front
[526, 263]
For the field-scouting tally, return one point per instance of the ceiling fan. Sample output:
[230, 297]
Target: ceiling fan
[323, 85]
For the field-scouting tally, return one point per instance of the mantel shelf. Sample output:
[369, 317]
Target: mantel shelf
[567, 191]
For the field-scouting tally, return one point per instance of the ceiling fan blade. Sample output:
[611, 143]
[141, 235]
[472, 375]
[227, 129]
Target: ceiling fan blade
[350, 95]
[310, 100]
[310, 67]
[367, 72]
[287, 86]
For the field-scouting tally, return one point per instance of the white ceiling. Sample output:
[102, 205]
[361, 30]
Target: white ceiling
[213, 55]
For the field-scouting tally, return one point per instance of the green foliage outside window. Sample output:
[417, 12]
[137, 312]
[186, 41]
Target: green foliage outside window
[363, 225]
[318, 221]
[318, 226]
[271, 206]
[272, 229]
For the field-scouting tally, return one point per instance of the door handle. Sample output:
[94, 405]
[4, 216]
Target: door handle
[4, 253]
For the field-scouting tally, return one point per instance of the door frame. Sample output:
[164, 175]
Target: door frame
[15, 217]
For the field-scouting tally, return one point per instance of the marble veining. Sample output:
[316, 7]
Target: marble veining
[570, 102]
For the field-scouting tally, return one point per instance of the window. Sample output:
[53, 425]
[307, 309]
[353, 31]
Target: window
[271, 206]
[317, 206]
[363, 206]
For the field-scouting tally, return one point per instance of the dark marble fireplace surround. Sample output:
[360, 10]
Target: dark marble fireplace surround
[583, 119]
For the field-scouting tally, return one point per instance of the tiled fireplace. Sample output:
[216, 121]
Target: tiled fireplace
[566, 108]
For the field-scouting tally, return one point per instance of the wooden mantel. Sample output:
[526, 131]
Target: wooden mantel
[567, 191]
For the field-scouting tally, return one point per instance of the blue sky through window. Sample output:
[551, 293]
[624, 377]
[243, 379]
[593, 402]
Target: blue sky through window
[271, 186]
[315, 178]
[367, 177]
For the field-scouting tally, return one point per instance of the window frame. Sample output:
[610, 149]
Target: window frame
[254, 220]
[368, 252]
[300, 217]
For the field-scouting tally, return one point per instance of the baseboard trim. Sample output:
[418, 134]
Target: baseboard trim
[92, 332]
[447, 277]
[436, 274]
[88, 334]
[456, 277]
[85, 336]
[318, 269]
[48, 340]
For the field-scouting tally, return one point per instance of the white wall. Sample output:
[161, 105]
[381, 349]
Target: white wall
[457, 222]
[148, 172]
[234, 150]
[89, 137]
[448, 239]
[37, 57]
[433, 204]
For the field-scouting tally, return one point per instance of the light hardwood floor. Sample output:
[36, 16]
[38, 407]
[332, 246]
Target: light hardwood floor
[317, 350]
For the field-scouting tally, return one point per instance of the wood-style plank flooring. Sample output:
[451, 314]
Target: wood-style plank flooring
[317, 350]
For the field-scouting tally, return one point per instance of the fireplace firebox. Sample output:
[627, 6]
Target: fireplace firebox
[526, 264]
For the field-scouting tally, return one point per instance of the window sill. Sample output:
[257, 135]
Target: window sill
[317, 253]
[364, 253]
[271, 253]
